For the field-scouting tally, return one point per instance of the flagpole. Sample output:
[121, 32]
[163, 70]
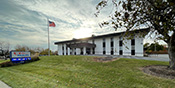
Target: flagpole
[48, 37]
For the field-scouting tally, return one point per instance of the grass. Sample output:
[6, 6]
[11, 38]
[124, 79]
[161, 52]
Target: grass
[2, 60]
[83, 72]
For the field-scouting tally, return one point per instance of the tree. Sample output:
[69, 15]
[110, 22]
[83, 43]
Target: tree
[45, 52]
[157, 15]
[4, 48]
[146, 46]
[25, 48]
[153, 47]
[22, 48]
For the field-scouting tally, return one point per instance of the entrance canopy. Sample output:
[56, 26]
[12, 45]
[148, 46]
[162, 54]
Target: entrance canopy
[81, 45]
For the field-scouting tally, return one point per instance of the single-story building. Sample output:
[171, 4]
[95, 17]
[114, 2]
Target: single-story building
[109, 44]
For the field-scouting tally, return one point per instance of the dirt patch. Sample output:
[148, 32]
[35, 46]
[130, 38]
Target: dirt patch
[104, 59]
[159, 71]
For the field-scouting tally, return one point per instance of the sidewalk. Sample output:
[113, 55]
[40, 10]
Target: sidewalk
[137, 57]
[3, 85]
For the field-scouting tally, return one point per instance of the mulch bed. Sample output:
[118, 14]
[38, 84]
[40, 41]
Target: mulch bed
[159, 71]
[104, 59]
[155, 70]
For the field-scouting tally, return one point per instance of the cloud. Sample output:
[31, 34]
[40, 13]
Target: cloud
[25, 21]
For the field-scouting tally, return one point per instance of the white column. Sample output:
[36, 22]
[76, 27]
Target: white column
[91, 51]
[84, 50]
[68, 51]
[65, 49]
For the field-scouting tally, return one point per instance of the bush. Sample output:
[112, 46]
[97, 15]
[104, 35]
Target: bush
[6, 64]
[9, 63]
[156, 52]
[34, 58]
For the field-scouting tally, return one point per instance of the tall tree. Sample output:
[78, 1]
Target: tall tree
[4, 48]
[157, 15]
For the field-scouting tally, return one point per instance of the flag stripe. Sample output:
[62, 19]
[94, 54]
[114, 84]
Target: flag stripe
[51, 24]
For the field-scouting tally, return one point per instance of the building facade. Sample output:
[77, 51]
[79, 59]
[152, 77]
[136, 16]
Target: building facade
[110, 44]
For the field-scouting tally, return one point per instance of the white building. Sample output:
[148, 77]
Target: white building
[110, 44]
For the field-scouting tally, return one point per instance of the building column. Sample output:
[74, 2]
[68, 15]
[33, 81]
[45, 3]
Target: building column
[91, 51]
[68, 51]
[84, 50]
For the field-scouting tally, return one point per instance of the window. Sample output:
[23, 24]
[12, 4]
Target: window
[74, 51]
[70, 51]
[133, 47]
[66, 50]
[112, 51]
[132, 52]
[81, 51]
[120, 46]
[88, 50]
[104, 52]
[133, 42]
[93, 50]
[120, 43]
[63, 49]
[104, 45]
[112, 46]
[121, 52]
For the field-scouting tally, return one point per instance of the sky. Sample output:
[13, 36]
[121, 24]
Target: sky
[24, 22]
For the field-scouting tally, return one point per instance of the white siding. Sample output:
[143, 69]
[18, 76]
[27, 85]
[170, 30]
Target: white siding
[116, 45]
[64, 49]
[59, 49]
[99, 46]
[108, 45]
[127, 47]
[77, 51]
[139, 46]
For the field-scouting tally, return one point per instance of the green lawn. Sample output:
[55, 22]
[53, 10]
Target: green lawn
[83, 72]
[2, 60]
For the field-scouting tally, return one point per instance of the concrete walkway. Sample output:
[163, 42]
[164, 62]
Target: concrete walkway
[136, 57]
[3, 85]
[145, 58]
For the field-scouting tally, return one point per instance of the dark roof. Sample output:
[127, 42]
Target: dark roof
[100, 36]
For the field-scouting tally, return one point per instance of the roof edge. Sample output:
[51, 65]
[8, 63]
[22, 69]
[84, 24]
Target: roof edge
[106, 35]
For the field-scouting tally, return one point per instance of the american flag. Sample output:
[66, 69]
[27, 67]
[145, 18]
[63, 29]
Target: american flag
[51, 24]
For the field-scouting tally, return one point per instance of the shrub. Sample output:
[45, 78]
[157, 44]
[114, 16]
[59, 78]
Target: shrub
[9, 63]
[34, 58]
[6, 64]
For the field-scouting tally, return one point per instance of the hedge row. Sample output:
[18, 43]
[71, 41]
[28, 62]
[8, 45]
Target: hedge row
[9, 63]
[157, 52]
